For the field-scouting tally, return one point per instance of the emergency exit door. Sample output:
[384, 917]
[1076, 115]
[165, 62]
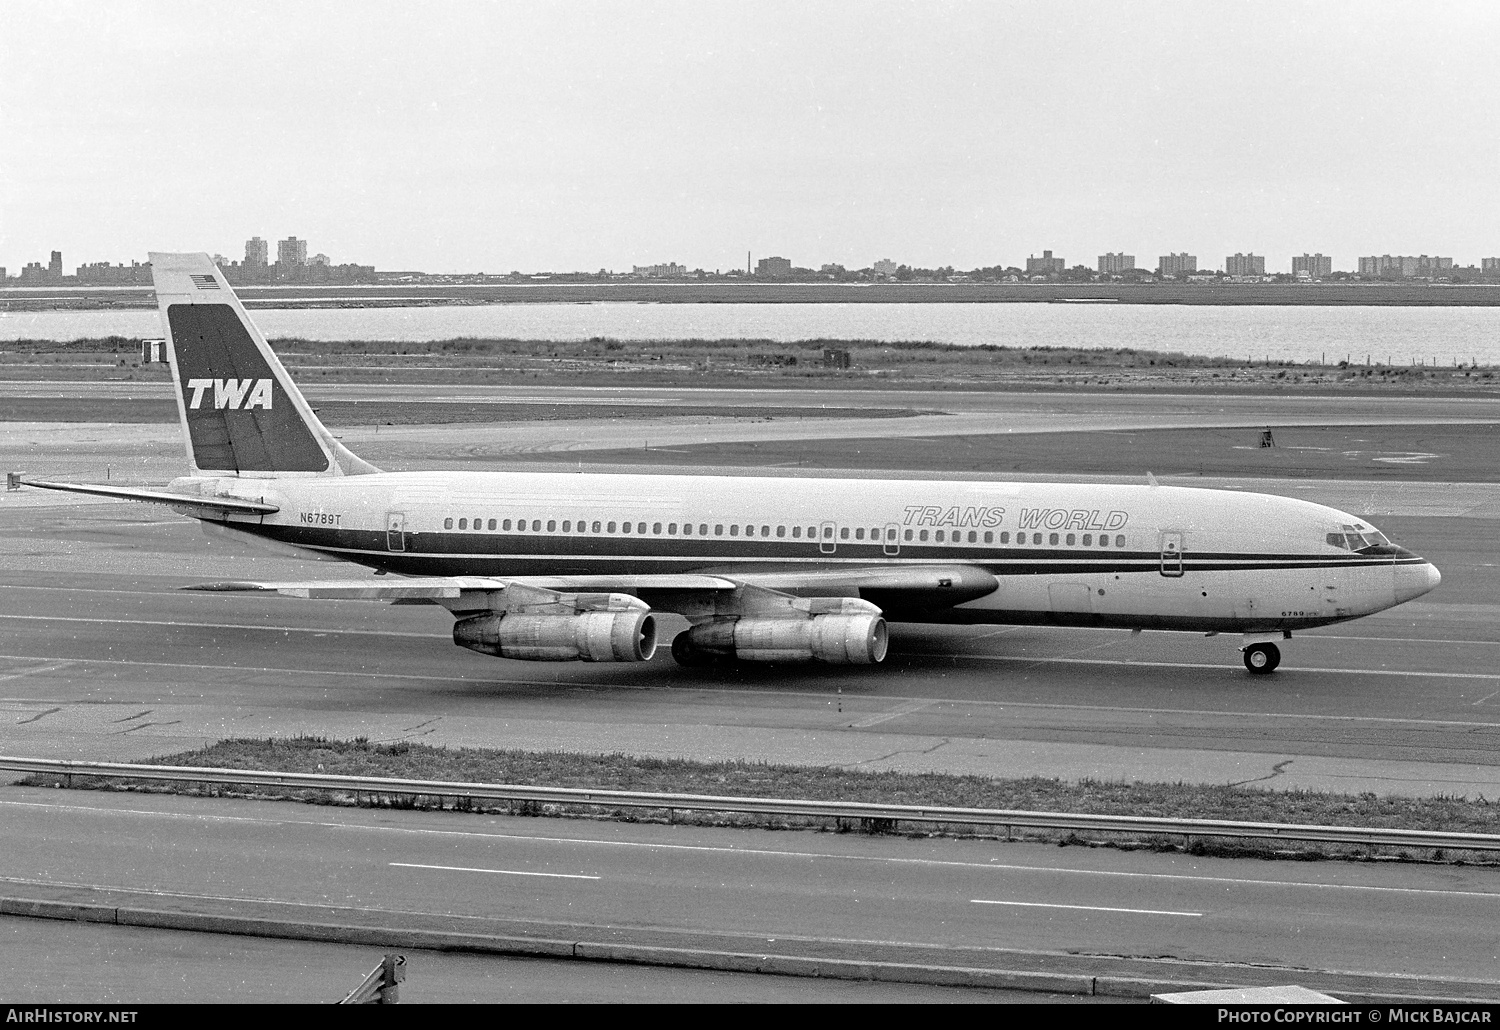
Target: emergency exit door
[395, 531]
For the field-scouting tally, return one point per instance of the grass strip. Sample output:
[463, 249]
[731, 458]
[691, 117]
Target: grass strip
[404, 760]
[872, 364]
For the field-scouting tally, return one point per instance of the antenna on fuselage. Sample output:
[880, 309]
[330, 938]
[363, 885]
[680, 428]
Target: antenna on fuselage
[1151, 480]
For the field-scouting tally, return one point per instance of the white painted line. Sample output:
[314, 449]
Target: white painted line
[484, 835]
[905, 708]
[314, 672]
[32, 672]
[319, 630]
[1221, 667]
[502, 872]
[1087, 908]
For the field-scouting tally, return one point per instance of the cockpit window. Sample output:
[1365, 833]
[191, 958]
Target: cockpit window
[1357, 538]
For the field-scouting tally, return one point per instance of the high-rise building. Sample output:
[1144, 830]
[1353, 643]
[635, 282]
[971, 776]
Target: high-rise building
[256, 253]
[1116, 262]
[668, 268]
[1244, 264]
[102, 273]
[1404, 265]
[1044, 265]
[2, 275]
[885, 266]
[773, 266]
[54, 267]
[1489, 266]
[1315, 265]
[1176, 264]
[291, 252]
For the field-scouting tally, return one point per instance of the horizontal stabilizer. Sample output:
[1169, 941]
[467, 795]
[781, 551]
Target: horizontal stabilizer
[125, 493]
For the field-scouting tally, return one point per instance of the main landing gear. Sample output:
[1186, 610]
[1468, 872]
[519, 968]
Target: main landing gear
[1262, 658]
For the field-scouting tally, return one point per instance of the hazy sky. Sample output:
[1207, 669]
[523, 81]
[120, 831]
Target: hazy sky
[461, 137]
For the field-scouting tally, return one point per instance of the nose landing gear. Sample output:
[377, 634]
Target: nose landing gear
[1262, 658]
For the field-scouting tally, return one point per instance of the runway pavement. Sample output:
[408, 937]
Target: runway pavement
[102, 656]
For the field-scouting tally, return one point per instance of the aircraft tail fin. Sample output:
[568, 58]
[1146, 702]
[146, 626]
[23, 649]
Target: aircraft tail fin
[241, 413]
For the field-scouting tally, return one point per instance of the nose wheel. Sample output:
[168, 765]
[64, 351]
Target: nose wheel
[1262, 658]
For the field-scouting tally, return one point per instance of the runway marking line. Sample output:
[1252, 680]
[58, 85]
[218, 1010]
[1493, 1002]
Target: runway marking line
[33, 672]
[326, 672]
[320, 630]
[820, 698]
[904, 708]
[1180, 665]
[1087, 908]
[502, 872]
[757, 852]
[1017, 659]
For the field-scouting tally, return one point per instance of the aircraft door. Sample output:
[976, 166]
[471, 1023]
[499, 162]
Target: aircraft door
[826, 542]
[1171, 554]
[395, 531]
[892, 538]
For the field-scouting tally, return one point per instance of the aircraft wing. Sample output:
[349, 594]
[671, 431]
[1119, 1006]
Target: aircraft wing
[892, 587]
[402, 588]
[196, 503]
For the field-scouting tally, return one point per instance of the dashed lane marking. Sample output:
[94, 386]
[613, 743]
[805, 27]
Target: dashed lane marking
[755, 852]
[502, 872]
[1088, 908]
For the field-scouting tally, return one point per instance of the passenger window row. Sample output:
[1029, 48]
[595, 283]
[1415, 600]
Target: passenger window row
[875, 534]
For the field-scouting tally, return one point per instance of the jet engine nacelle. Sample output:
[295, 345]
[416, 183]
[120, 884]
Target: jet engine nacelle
[617, 636]
[836, 639]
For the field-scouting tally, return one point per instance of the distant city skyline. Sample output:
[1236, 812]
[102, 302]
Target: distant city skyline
[464, 136]
[291, 253]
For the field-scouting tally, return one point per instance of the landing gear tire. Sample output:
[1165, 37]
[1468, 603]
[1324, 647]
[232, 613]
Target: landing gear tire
[687, 657]
[1262, 659]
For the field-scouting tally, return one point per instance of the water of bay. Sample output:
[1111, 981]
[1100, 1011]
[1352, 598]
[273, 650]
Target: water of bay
[1303, 334]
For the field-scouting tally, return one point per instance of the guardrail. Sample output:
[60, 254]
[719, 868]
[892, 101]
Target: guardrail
[869, 813]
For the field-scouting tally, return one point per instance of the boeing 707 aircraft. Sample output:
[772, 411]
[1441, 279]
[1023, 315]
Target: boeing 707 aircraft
[572, 566]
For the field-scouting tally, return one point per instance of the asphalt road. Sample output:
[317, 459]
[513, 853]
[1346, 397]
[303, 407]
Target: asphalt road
[169, 850]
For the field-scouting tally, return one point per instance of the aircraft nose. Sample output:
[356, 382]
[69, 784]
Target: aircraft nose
[1415, 580]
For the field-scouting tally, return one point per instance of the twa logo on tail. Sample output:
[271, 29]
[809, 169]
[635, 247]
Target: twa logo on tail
[234, 394]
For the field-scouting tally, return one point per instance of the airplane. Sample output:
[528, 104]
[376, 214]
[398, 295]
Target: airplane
[575, 566]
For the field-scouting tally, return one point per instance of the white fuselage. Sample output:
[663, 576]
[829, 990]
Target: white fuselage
[1070, 554]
